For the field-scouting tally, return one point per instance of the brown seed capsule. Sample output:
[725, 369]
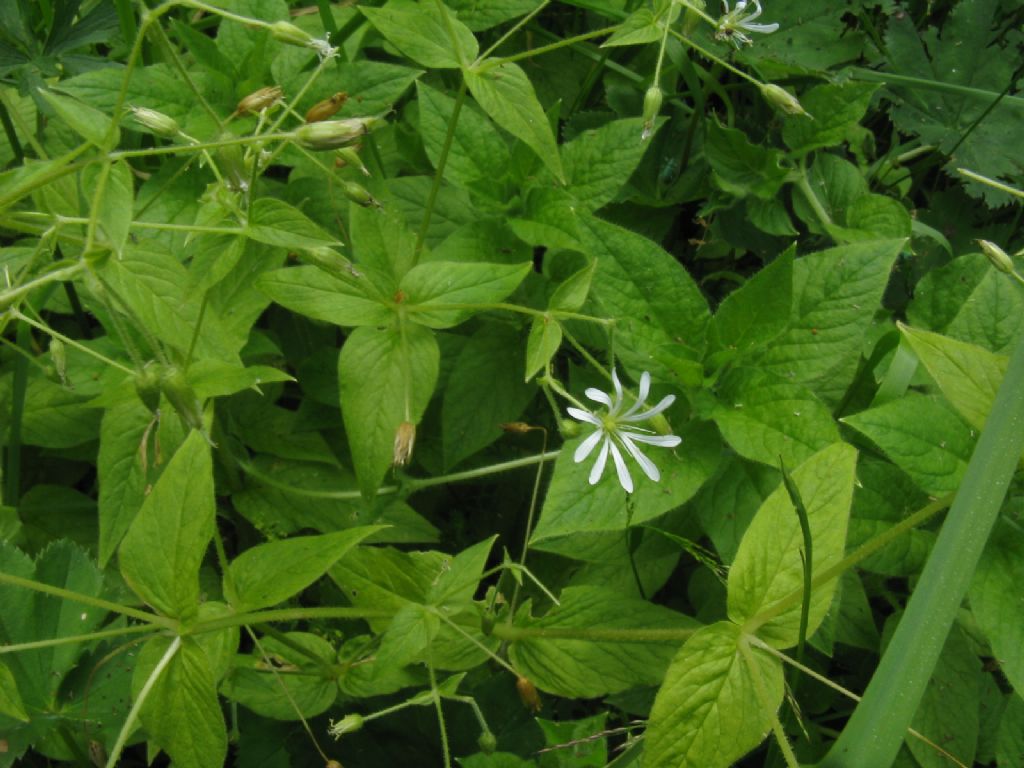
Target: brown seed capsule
[405, 439]
[516, 427]
[257, 101]
[528, 694]
[326, 108]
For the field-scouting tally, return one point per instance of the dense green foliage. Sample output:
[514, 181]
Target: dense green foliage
[296, 298]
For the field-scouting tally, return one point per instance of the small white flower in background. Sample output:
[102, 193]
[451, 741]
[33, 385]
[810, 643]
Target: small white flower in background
[735, 23]
[615, 430]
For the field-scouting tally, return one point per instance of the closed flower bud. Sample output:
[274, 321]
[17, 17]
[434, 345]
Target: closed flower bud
[331, 262]
[999, 258]
[59, 356]
[569, 428]
[157, 122]
[528, 694]
[331, 134]
[326, 108]
[350, 156]
[782, 100]
[405, 439]
[257, 101]
[347, 724]
[179, 393]
[147, 386]
[333, 764]
[652, 106]
[286, 32]
[358, 194]
[487, 742]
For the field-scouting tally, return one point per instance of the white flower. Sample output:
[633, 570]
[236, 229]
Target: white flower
[615, 430]
[734, 24]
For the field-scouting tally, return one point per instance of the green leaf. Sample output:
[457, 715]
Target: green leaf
[923, 437]
[639, 28]
[313, 689]
[88, 122]
[871, 217]
[995, 601]
[432, 287]
[213, 378]
[313, 293]
[182, 714]
[573, 291]
[421, 32]
[505, 93]
[837, 110]
[543, 342]
[484, 390]
[484, 14]
[268, 574]
[478, 153]
[967, 375]
[11, 704]
[728, 501]
[386, 376]
[758, 311]
[409, 635]
[661, 315]
[116, 204]
[714, 705]
[275, 222]
[812, 37]
[165, 545]
[599, 162]
[740, 167]
[385, 247]
[769, 566]
[588, 668]
[458, 581]
[948, 712]
[835, 294]
[1010, 741]
[764, 418]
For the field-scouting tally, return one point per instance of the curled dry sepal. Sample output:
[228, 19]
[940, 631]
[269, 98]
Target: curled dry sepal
[616, 430]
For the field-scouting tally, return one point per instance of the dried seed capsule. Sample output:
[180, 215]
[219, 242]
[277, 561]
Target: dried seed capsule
[516, 427]
[257, 101]
[180, 394]
[528, 694]
[157, 122]
[405, 439]
[148, 385]
[326, 108]
[782, 99]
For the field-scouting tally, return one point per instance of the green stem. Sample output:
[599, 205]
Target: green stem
[917, 83]
[71, 342]
[96, 602]
[513, 633]
[428, 209]
[445, 749]
[19, 390]
[135, 629]
[286, 614]
[569, 41]
[804, 185]
[873, 735]
[766, 704]
[515, 28]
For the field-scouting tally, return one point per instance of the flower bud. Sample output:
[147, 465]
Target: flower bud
[405, 439]
[652, 106]
[358, 194]
[331, 262]
[59, 356]
[259, 100]
[331, 134]
[528, 694]
[157, 122]
[286, 32]
[147, 386]
[333, 764]
[350, 156]
[782, 100]
[569, 428]
[487, 742]
[347, 724]
[999, 258]
[180, 394]
[326, 108]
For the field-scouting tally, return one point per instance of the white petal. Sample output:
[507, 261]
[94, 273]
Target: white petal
[598, 396]
[602, 457]
[662, 441]
[641, 397]
[645, 464]
[584, 449]
[764, 29]
[666, 401]
[620, 467]
[618, 393]
[581, 415]
[757, 10]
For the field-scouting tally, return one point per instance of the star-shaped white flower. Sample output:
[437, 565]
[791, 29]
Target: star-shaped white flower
[616, 430]
[735, 23]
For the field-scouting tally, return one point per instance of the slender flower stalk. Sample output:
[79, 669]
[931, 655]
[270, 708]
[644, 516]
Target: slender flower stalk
[616, 431]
